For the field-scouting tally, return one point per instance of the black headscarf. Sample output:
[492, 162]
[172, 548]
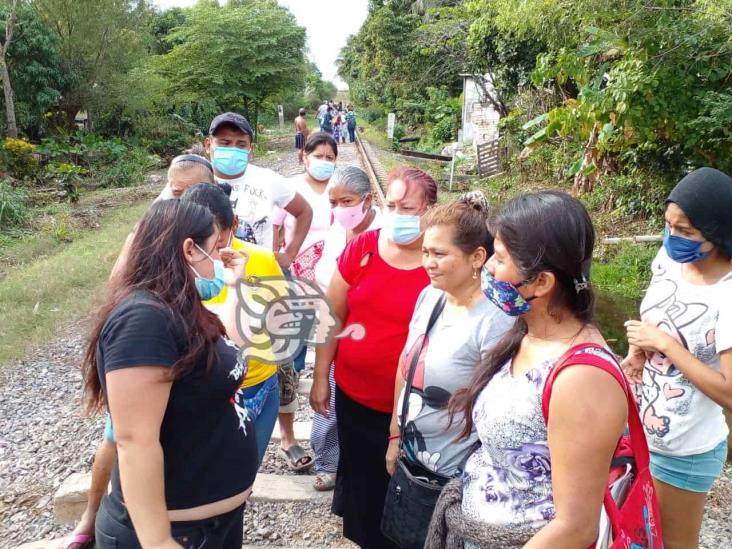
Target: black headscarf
[705, 196]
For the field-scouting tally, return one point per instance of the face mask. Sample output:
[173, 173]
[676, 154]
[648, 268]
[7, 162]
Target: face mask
[321, 169]
[683, 250]
[350, 217]
[208, 288]
[230, 160]
[505, 295]
[402, 229]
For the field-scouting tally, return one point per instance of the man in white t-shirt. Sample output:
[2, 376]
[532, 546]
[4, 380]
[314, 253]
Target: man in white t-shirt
[255, 191]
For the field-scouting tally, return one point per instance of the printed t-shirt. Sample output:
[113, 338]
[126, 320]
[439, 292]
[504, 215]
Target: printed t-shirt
[678, 418]
[322, 214]
[253, 197]
[335, 242]
[382, 298]
[450, 354]
[208, 442]
[261, 263]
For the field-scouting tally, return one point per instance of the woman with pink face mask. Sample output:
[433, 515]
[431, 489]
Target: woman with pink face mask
[349, 191]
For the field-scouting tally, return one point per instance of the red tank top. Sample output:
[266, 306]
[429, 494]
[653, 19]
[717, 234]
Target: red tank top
[382, 298]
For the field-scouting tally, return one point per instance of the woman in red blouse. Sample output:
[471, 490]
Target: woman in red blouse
[378, 280]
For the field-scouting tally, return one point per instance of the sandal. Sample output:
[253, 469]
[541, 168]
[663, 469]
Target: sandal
[296, 458]
[324, 482]
[83, 540]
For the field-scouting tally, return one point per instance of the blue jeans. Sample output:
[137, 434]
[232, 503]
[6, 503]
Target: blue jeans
[263, 401]
[351, 135]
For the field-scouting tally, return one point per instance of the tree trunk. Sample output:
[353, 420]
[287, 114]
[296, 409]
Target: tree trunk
[9, 100]
[585, 183]
[256, 121]
[5, 73]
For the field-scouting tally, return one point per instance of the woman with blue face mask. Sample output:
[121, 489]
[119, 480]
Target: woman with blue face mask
[166, 370]
[536, 482]
[376, 284]
[681, 351]
[320, 154]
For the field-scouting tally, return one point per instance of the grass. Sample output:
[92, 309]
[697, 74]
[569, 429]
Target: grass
[54, 282]
[626, 273]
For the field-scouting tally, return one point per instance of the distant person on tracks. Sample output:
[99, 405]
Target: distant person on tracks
[327, 124]
[681, 352]
[351, 201]
[378, 280]
[351, 124]
[301, 133]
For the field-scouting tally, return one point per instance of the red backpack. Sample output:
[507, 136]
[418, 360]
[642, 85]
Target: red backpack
[631, 516]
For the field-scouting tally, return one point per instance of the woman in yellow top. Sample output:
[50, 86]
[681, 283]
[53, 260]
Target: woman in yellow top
[260, 392]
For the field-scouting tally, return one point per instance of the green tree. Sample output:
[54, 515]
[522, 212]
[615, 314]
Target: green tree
[234, 56]
[36, 72]
[639, 82]
[98, 40]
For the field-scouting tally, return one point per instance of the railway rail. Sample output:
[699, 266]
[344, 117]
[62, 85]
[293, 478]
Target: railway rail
[373, 169]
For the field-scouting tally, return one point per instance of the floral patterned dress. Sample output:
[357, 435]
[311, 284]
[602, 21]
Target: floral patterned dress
[508, 480]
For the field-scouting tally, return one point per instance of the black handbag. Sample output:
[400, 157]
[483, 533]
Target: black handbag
[413, 489]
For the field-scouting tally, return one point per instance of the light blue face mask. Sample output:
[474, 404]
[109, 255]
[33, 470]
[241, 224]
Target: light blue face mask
[230, 160]
[321, 170]
[208, 288]
[402, 229]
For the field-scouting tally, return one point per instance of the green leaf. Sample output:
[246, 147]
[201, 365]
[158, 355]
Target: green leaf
[535, 121]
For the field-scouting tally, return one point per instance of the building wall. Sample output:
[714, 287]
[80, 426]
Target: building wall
[480, 119]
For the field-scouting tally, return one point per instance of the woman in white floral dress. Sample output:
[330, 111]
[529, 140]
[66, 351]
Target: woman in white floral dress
[543, 482]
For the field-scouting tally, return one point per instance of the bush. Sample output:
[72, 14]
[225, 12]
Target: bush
[636, 193]
[67, 177]
[18, 158]
[129, 170]
[372, 113]
[13, 205]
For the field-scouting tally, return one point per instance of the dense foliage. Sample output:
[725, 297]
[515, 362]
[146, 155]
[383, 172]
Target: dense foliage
[134, 70]
[95, 88]
[622, 92]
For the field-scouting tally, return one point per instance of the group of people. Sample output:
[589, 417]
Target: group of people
[338, 121]
[466, 315]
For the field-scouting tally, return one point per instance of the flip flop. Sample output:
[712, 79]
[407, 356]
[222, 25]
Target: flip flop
[296, 458]
[84, 540]
[324, 482]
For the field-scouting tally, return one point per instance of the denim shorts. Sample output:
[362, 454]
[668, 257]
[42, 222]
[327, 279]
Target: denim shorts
[695, 473]
[108, 432]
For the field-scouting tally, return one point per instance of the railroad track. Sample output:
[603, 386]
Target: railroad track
[373, 169]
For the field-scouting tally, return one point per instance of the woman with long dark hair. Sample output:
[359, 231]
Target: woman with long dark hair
[161, 362]
[532, 484]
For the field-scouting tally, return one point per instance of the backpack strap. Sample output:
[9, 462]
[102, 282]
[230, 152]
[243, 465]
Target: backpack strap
[587, 354]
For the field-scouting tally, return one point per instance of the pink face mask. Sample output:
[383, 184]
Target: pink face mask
[350, 216]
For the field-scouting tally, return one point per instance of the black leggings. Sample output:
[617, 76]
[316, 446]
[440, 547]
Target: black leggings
[114, 530]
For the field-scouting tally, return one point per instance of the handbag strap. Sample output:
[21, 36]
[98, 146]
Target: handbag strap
[586, 354]
[436, 312]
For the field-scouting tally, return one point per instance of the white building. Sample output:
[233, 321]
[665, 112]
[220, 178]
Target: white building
[480, 119]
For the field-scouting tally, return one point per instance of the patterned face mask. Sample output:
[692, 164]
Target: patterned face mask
[506, 295]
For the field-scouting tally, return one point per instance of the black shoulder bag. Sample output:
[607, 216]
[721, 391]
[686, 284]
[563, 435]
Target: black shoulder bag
[413, 489]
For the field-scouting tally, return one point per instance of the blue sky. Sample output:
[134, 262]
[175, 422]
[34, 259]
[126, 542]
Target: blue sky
[328, 24]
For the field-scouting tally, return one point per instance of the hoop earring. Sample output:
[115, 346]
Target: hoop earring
[475, 274]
